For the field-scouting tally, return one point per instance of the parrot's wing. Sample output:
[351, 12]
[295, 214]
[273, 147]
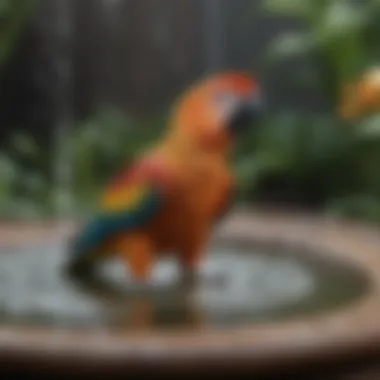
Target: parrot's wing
[133, 199]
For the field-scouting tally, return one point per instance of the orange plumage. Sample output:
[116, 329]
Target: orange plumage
[186, 177]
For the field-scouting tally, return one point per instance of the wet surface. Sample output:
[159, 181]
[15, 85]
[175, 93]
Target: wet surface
[257, 287]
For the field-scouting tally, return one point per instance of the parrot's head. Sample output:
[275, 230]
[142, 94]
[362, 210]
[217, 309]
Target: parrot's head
[361, 98]
[218, 109]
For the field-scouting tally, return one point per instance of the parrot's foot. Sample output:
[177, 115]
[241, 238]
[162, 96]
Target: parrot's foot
[137, 252]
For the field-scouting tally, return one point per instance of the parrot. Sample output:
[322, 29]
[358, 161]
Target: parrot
[361, 97]
[170, 197]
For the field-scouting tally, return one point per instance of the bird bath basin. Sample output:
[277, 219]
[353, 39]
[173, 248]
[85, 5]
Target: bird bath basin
[255, 286]
[292, 290]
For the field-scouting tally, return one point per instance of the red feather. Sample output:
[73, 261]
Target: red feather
[150, 169]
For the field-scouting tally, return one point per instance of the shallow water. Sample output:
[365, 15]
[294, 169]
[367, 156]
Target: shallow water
[257, 287]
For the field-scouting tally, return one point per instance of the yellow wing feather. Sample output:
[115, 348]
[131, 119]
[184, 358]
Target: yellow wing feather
[126, 197]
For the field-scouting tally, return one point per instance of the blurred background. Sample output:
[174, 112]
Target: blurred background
[85, 85]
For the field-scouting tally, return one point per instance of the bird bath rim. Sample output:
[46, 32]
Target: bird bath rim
[341, 333]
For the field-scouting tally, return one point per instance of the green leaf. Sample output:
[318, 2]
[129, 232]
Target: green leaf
[281, 138]
[249, 170]
[290, 45]
[369, 127]
[25, 145]
[341, 19]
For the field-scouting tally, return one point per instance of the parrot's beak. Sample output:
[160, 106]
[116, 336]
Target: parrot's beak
[248, 113]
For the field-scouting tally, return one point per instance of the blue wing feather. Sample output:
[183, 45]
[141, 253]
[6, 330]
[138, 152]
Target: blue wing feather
[85, 246]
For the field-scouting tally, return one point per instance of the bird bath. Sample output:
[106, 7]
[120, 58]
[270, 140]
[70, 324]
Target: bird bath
[293, 290]
[256, 286]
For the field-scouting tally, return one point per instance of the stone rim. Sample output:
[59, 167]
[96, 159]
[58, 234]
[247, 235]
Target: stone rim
[342, 333]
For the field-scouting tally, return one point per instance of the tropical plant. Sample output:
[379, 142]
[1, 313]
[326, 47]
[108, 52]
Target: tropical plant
[315, 159]
[339, 37]
[31, 186]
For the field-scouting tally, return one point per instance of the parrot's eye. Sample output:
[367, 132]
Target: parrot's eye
[228, 102]
[226, 99]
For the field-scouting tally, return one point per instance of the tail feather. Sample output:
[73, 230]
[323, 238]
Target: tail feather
[85, 248]
[79, 263]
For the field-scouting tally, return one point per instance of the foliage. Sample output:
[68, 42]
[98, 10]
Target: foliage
[311, 160]
[13, 16]
[317, 159]
[340, 37]
[96, 149]
[101, 144]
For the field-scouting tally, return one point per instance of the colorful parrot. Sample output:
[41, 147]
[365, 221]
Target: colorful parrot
[169, 199]
[361, 97]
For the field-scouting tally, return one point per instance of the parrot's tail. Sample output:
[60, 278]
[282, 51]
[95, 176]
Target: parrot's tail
[84, 250]
[79, 263]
